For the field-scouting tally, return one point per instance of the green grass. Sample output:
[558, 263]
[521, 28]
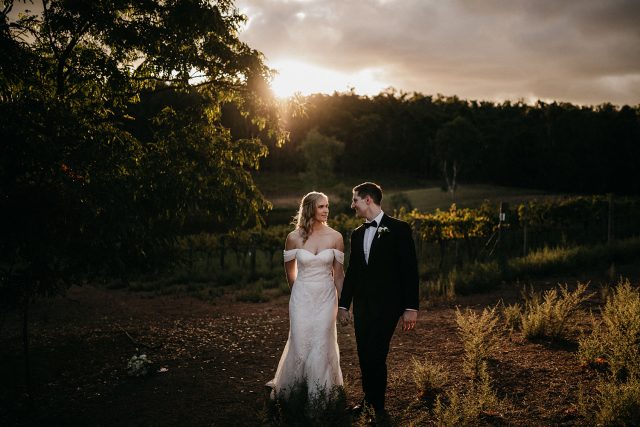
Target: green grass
[468, 196]
[284, 190]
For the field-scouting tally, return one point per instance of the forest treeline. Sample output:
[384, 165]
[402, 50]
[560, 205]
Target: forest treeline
[552, 146]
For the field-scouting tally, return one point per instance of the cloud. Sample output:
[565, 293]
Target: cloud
[582, 51]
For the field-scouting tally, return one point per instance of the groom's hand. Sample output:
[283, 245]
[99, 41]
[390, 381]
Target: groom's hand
[409, 319]
[344, 316]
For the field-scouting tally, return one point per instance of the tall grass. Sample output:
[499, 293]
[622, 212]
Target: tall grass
[549, 261]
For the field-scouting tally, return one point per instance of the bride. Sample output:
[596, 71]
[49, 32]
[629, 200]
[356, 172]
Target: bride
[313, 260]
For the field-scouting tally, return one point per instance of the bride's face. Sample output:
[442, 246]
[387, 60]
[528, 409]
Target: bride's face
[322, 210]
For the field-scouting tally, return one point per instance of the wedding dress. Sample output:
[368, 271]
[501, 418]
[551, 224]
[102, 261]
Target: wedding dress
[311, 353]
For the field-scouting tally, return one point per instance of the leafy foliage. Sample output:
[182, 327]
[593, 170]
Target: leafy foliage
[114, 139]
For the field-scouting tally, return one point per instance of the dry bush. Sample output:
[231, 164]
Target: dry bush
[512, 315]
[547, 315]
[613, 404]
[616, 337]
[478, 336]
[480, 400]
[429, 378]
[614, 347]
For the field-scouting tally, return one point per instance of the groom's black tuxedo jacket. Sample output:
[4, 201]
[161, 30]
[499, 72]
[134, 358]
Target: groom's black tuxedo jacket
[388, 284]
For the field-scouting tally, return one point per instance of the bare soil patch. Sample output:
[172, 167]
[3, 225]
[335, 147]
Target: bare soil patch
[218, 355]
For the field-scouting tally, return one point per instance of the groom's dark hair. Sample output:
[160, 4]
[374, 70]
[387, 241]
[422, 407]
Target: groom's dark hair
[370, 189]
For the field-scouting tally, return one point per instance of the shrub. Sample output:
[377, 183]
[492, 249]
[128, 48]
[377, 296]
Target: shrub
[254, 293]
[480, 400]
[439, 289]
[615, 403]
[475, 277]
[547, 315]
[477, 333]
[616, 337]
[429, 378]
[512, 315]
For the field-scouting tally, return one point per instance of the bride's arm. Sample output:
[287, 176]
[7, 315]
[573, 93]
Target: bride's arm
[338, 267]
[290, 267]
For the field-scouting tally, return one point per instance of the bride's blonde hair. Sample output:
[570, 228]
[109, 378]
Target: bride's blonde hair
[306, 212]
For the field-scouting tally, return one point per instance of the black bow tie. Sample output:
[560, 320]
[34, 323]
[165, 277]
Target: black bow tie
[370, 224]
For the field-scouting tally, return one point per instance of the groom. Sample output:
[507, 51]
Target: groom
[382, 282]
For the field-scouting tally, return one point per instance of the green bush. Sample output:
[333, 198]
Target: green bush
[548, 314]
[254, 293]
[477, 277]
[560, 260]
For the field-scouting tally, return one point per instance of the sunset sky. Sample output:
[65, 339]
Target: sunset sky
[579, 51]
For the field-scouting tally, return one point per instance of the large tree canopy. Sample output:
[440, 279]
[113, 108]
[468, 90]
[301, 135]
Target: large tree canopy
[112, 133]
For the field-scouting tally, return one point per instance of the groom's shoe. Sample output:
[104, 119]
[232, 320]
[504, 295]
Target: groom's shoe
[382, 418]
[357, 409]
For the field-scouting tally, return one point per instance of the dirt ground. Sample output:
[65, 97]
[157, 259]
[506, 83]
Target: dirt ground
[214, 358]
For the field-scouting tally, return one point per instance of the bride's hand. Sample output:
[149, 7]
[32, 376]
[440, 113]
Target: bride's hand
[344, 316]
[409, 319]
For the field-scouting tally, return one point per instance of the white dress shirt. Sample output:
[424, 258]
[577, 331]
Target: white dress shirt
[369, 235]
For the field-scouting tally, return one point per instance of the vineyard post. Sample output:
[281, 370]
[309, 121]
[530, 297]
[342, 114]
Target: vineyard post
[501, 220]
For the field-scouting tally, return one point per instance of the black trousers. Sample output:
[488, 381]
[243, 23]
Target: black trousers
[372, 338]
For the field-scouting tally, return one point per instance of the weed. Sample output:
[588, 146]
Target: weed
[512, 315]
[616, 337]
[479, 401]
[615, 403]
[548, 314]
[429, 378]
[477, 333]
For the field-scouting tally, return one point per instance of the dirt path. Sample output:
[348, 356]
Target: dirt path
[218, 356]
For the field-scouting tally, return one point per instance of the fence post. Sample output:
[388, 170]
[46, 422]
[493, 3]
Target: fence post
[610, 219]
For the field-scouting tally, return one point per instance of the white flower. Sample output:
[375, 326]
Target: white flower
[138, 365]
[382, 230]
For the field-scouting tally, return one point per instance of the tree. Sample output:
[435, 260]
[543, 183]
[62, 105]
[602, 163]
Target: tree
[456, 144]
[320, 153]
[112, 135]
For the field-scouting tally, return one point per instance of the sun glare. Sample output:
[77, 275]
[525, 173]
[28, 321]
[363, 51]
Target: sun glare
[295, 76]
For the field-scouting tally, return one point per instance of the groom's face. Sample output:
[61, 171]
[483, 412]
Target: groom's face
[360, 205]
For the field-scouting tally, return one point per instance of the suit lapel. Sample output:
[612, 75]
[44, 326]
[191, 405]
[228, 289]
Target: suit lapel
[374, 242]
[360, 241]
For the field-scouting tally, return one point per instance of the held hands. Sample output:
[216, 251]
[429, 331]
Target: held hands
[344, 316]
[409, 319]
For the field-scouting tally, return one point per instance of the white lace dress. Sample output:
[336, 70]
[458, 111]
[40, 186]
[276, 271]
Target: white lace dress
[311, 352]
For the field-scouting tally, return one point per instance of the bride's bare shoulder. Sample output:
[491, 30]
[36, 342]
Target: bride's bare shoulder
[337, 237]
[294, 240]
